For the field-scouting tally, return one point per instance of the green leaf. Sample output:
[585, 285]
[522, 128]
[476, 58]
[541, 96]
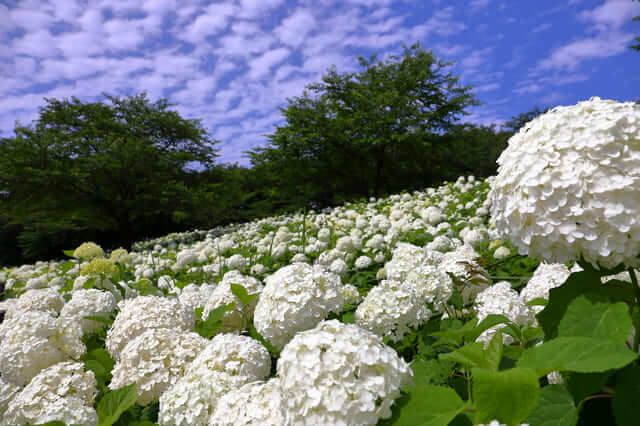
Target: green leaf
[475, 355]
[626, 396]
[209, 327]
[243, 295]
[508, 396]
[560, 297]
[145, 287]
[68, 253]
[52, 423]
[580, 354]
[601, 320]
[144, 423]
[485, 324]
[114, 403]
[556, 408]
[430, 405]
[430, 371]
[538, 301]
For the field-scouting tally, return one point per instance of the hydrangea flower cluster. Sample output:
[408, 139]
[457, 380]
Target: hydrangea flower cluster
[227, 362]
[567, 185]
[296, 298]
[340, 374]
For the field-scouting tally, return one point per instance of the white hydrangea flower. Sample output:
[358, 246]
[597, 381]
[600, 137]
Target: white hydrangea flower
[440, 244]
[236, 318]
[155, 360]
[430, 283]
[193, 398]
[32, 342]
[363, 262]
[544, 278]
[392, 309]
[568, 185]
[226, 363]
[144, 313]
[339, 267]
[405, 258]
[254, 404]
[502, 299]
[295, 298]
[195, 296]
[350, 294]
[501, 252]
[63, 392]
[45, 299]
[340, 374]
[234, 355]
[88, 251]
[88, 302]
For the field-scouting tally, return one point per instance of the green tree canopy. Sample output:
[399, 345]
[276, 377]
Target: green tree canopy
[115, 167]
[346, 134]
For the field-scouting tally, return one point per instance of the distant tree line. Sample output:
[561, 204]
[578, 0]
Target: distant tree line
[127, 168]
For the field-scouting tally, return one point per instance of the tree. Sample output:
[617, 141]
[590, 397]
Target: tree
[117, 168]
[517, 122]
[342, 137]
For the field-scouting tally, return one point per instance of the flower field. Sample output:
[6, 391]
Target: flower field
[511, 300]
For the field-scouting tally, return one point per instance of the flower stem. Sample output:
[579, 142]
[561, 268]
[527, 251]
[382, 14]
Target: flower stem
[636, 291]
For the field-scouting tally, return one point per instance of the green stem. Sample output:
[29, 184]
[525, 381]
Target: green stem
[636, 291]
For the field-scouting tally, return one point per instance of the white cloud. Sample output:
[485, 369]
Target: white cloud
[262, 65]
[293, 29]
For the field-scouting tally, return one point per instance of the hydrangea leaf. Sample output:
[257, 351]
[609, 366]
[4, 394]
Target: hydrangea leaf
[555, 408]
[475, 355]
[114, 403]
[242, 294]
[626, 396]
[595, 319]
[560, 297]
[429, 405]
[508, 396]
[579, 354]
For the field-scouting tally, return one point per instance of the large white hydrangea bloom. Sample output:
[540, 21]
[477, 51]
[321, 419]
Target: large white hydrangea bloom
[340, 374]
[227, 362]
[146, 313]
[254, 404]
[43, 299]
[63, 392]
[392, 309]
[296, 298]
[34, 341]
[568, 185]
[155, 360]
[222, 295]
[88, 302]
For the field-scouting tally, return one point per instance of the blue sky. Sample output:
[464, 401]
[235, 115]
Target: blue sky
[233, 63]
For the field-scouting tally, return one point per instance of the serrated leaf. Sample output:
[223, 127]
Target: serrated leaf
[430, 371]
[475, 355]
[508, 396]
[114, 403]
[580, 354]
[555, 408]
[429, 405]
[208, 327]
[243, 295]
[626, 396]
[601, 320]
